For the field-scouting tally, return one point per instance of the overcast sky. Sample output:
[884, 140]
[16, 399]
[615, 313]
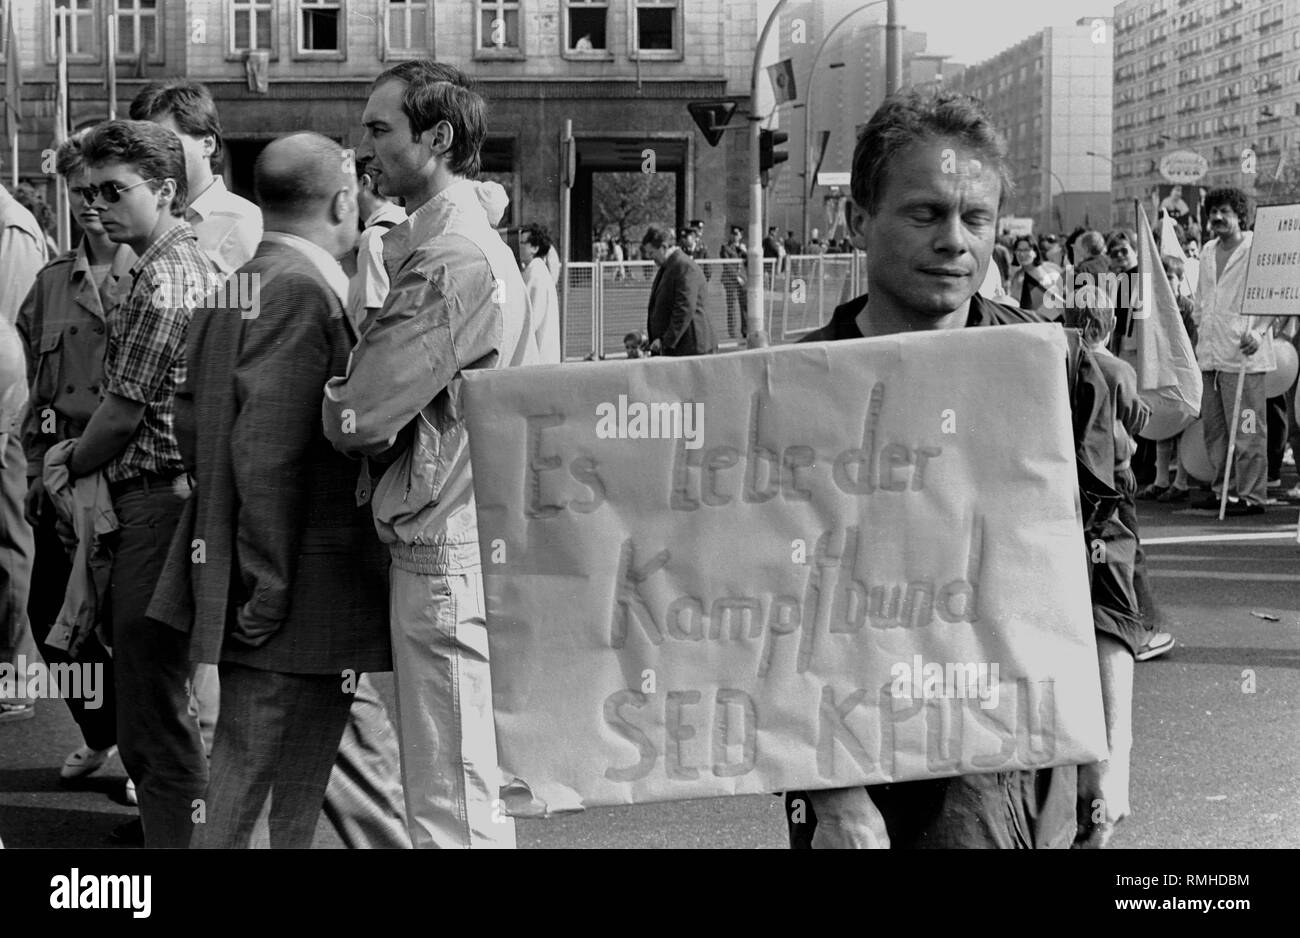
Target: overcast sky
[970, 31]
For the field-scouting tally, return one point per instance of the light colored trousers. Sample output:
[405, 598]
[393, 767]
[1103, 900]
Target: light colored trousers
[444, 711]
[1250, 459]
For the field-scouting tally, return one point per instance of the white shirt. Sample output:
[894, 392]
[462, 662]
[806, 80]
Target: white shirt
[545, 310]
[229, 226]
[329, 267]
[1219, 299]
[369, 285]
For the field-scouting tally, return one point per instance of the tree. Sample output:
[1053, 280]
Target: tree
[1274, 188]
[628, 201]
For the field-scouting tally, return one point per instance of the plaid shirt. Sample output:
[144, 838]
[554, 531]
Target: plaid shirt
[145, 360]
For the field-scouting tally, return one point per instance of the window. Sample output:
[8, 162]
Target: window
[499, 30]
[137, 28]
[321, 31]
[251, 25]
[585, 26]
[83, 37]
[406, 27]
[656, 29]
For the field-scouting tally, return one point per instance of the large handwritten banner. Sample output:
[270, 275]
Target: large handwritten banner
[1273, 273]
[805, 567]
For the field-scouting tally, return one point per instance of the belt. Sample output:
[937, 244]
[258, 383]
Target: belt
[149, 482]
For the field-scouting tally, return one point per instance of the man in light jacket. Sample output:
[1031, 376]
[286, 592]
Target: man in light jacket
[456, 301]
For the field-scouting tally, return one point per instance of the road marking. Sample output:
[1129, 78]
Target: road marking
[1217, 575]
[1212, 538]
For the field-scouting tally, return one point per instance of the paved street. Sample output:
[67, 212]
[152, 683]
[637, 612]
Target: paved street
[1216, 766]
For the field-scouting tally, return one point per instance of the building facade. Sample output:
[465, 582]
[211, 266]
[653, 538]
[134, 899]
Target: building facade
[841, 95]
[1050, 95]
[1219, 78]
[622, 71]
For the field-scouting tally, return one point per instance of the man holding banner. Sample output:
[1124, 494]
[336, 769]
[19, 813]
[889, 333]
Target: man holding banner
[1234, 353]
[930, 176]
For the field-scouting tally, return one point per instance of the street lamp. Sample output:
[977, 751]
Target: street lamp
[1049, 193]
[808, 181]
[1100, 156]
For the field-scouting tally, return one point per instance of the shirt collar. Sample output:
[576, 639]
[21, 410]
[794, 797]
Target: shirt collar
[329, 268]
[169, 240]
[207, 201]
[387, 211]
[982, 312]
[436, 216]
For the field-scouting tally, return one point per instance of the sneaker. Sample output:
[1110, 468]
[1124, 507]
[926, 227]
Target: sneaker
[131, 796]
[130, 834]
[84, 761]
[1293, 494]
[1160, 644]
[1211, 503]
[1152, 492]
[14, 712]
[1174, 494]
[1275, 483]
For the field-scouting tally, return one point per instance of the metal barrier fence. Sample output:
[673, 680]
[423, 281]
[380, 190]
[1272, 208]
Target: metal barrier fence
[609, 299]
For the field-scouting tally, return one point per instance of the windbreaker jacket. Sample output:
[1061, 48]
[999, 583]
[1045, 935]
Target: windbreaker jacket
[457, 301]
[64, 325]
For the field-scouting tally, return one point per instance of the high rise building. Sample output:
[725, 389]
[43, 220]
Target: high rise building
[1214, 79]
[848, 85]
[1050, 95]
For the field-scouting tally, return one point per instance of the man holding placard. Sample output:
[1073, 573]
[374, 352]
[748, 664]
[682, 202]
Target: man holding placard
[1234, 353]
[930, 176]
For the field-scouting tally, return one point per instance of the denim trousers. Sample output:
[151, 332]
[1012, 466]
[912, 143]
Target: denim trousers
[157, 735]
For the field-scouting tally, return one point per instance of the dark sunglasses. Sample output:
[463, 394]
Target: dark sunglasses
[1119, 253]
[111, 191]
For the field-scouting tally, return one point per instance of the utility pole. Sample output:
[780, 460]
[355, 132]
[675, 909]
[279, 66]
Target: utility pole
[893, 52]
[757, 316]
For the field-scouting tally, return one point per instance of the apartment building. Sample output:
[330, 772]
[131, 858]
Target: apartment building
[1050, 95]
[1218, 78]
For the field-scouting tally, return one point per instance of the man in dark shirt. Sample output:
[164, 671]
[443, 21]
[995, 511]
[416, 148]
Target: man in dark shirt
[930, 176]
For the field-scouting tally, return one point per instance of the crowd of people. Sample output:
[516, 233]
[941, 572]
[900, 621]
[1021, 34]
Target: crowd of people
[290, 479]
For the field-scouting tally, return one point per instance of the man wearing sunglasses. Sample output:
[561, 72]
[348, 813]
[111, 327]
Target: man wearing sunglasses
[136, 182]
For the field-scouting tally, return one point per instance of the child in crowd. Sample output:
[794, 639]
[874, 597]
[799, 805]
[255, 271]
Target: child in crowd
[637, 344]
[1119, 577]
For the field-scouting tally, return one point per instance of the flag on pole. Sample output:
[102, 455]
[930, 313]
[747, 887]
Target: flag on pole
[1281, 165]
[13, 77]
[782, 75]
[1160, 351]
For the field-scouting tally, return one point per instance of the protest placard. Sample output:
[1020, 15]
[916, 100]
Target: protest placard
[794, 568]
[1273, 271]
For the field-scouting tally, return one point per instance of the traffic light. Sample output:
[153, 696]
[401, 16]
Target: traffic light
[768, 155]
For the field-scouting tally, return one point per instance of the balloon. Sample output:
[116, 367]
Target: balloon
[1167, 420]
[1193, 455]
[1278, 381]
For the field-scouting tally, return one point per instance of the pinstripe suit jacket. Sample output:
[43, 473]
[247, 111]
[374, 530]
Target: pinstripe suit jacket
[294, 578]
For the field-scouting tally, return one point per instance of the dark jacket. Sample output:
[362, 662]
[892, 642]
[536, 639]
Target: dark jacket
[677, 317]
[294, 578]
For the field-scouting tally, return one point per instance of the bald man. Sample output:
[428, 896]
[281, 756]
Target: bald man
[291, 598]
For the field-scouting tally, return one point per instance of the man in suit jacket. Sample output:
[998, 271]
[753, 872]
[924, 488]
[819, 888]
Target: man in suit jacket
[291, 598]
[678, 324]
